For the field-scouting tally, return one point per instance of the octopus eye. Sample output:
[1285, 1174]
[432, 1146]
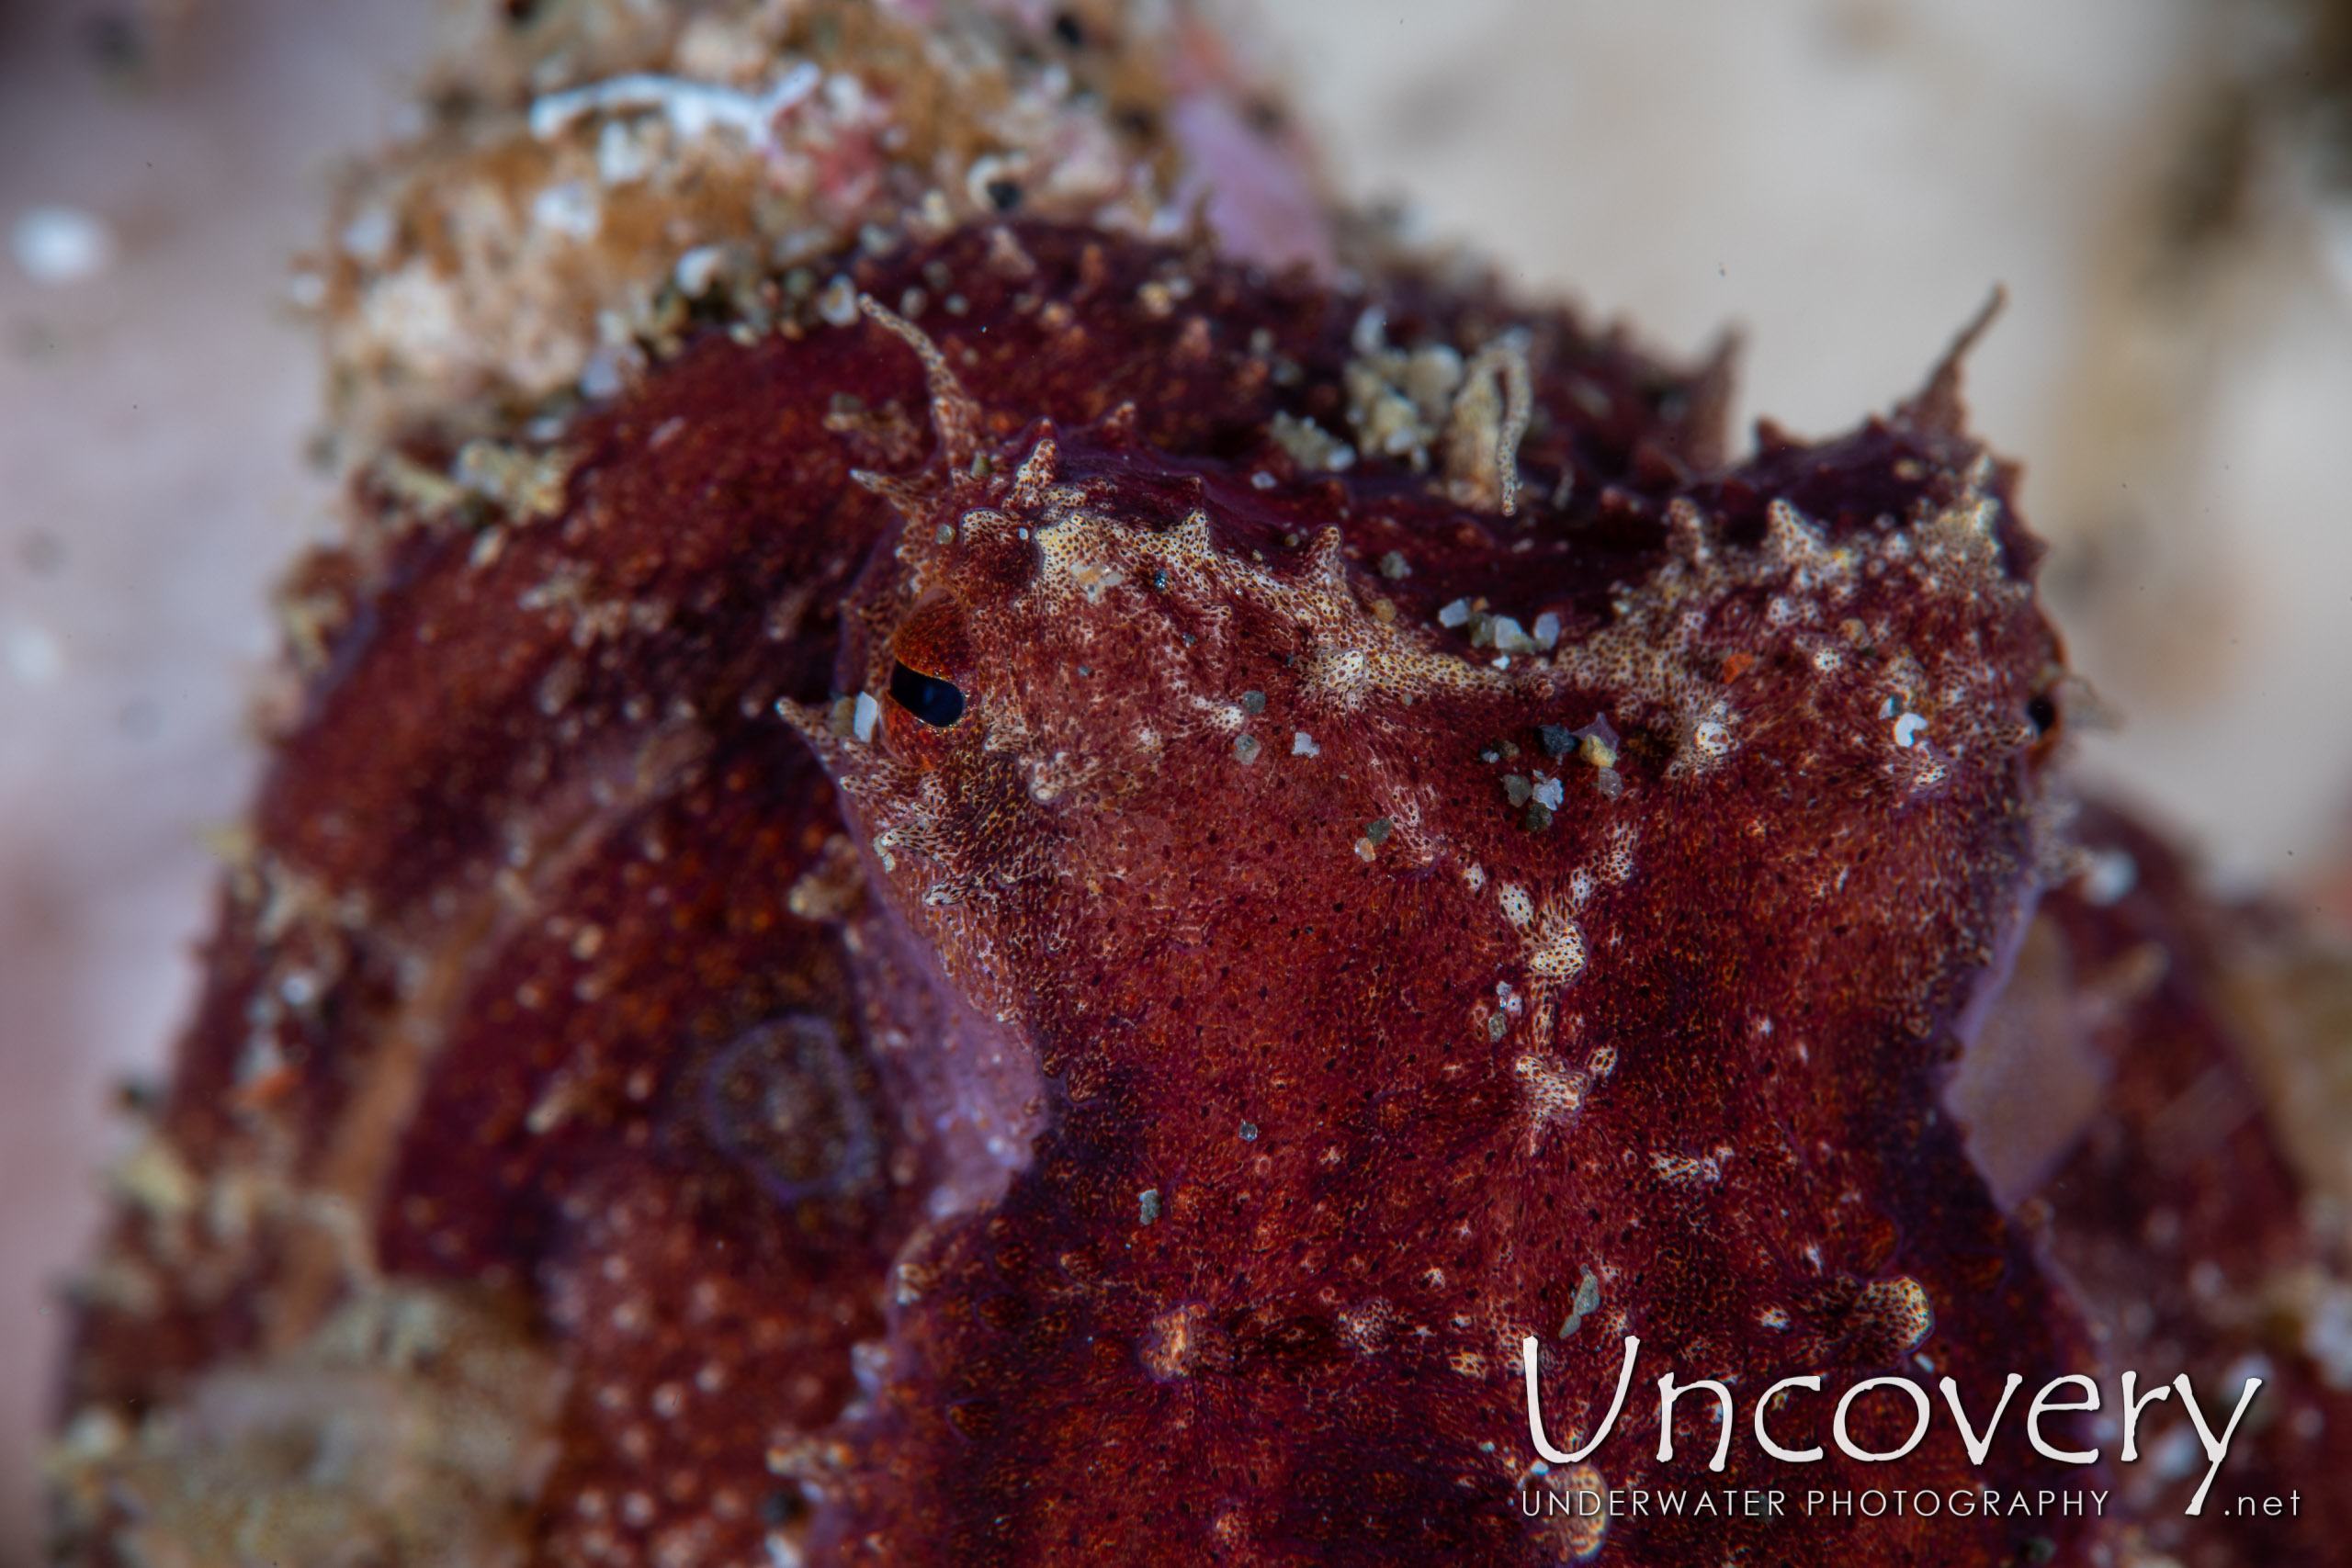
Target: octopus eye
[935, 702]
[2042, 711]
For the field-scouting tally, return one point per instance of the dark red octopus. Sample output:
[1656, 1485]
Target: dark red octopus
[1100, 1101]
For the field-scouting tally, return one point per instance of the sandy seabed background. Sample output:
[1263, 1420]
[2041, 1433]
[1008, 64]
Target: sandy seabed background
[1843, 180]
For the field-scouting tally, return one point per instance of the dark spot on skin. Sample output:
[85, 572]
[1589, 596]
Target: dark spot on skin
[2041, 712]
[782, 1102]
[1070, 30]
[1004, 194]
[935, 702]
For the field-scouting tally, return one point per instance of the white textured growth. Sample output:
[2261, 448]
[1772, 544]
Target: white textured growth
[691, 108]
[568, 207]
[1553, 1092]
[1559, 955]
[697, 270]
[1687, 1170]
[1617, 863]
[1518, 907]
[1788, 539]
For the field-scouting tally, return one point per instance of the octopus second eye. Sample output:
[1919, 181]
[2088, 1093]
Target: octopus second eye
[937, 702]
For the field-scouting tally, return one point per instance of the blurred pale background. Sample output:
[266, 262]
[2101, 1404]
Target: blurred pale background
[1842, 179]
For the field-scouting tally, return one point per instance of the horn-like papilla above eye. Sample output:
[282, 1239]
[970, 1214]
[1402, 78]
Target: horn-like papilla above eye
[935, 702]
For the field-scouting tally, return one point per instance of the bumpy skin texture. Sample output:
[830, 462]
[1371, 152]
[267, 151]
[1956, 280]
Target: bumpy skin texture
[2177, 1220]
[1395, 1104]
[1141, 1118]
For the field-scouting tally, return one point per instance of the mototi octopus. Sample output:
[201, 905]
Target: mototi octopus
[1046, 933]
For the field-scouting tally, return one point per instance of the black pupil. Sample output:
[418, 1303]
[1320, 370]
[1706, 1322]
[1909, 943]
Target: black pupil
[935, 702]
[2042, 711]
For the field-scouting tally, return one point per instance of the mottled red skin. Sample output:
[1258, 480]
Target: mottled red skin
[1247, 968]
[2180, 1170]
[1183, 949]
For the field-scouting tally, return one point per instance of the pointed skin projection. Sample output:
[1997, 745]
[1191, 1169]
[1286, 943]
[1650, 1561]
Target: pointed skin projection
[986, 947]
